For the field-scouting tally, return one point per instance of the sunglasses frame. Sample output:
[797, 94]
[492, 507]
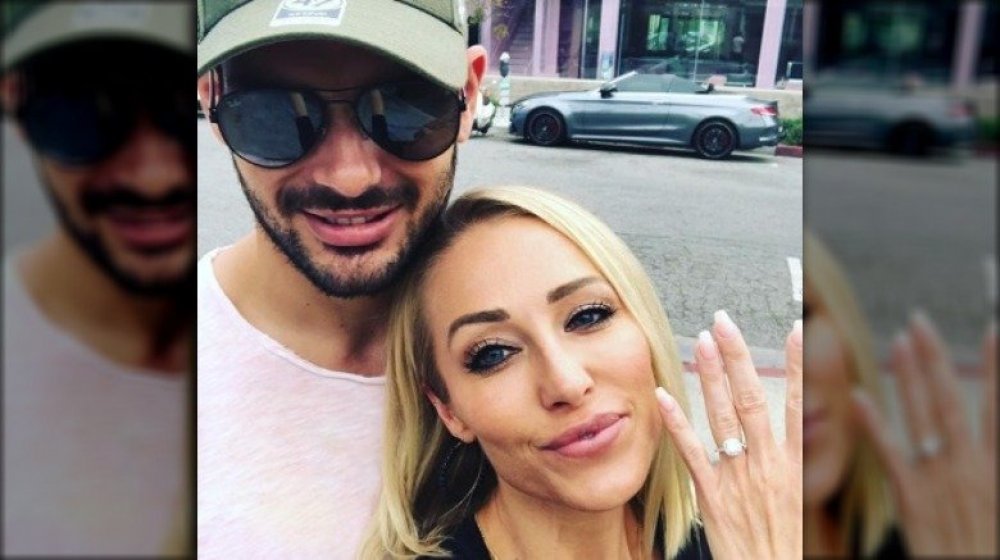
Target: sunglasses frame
[213, 116]
[28, 96]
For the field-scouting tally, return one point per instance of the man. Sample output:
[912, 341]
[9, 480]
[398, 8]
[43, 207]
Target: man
[342, 117]
[97, 314]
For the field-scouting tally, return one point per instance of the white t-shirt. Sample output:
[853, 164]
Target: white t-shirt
[288, 452]
[94, 453]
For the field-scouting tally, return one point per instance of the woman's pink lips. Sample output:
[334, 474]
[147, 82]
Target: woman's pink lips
[588, 439]
[812, 423]
[375, 227]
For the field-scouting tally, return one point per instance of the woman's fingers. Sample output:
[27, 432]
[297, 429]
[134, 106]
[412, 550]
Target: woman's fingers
[990, 388]
[745, 386]
[686, 440]
[912, 386]
[880, 434]
[793, 391]
[722, 418]
[941, 381]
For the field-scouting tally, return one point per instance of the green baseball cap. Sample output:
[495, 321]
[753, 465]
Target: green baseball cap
[33, 26]
[426, 36]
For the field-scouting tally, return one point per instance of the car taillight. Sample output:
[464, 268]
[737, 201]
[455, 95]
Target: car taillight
[764, 111]
[962, 110]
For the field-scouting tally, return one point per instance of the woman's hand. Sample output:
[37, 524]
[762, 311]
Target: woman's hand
[751, 503]
[946, 494]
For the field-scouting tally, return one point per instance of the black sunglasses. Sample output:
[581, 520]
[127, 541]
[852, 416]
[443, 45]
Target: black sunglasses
[275, 127]
[83, 126]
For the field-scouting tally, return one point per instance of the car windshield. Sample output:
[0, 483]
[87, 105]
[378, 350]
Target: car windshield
[655, 83]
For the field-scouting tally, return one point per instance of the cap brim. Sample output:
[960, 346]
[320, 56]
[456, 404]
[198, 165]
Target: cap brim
[167, 23]
[415, 39]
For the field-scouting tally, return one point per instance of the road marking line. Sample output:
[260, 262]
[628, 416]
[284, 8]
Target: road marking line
[990, 269]
[795, 269]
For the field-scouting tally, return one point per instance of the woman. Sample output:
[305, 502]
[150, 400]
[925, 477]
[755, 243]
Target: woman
[864, 496]
[522, 419]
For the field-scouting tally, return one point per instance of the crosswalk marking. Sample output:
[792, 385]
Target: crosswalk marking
[795, 269]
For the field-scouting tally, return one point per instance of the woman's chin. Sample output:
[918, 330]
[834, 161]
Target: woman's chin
[604, 489]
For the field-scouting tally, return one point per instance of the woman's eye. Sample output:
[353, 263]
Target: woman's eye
[487, 358]
[589, 316]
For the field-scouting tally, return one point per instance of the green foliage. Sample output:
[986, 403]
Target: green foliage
[988, 129]
[793, 131]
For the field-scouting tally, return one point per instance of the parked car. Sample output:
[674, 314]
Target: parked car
[651, 109]
[899, 116]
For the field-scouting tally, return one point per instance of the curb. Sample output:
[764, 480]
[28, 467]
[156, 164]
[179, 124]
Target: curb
[790, 151]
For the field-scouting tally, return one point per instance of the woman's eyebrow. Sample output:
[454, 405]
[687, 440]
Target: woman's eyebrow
[490, 316]
[568, 288]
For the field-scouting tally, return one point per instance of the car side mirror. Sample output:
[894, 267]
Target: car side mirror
[607, 90]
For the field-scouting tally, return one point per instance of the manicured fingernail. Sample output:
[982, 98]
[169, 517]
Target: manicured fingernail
[665, 399]
[920, 319]
[706, 345]
[900, 341]
[797, 332]
[724, 325]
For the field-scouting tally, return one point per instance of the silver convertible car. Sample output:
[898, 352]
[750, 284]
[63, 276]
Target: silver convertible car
[652, 109]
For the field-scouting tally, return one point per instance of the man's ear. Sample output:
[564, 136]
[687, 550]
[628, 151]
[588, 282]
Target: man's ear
[10, 92]
[205, 98]
[476, 56]
[454, 424]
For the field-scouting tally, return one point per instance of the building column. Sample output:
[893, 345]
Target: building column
[810, 35]
[486, 37]
[536, 38]
[770, 43]
[970, 25]
[607, 44]
[550, 52]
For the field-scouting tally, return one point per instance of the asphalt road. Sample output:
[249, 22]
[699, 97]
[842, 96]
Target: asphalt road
[713, 235]
[911, 234]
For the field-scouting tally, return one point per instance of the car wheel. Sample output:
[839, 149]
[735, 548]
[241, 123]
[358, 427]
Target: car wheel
[545, 128]
[715, 140]
[911, 139]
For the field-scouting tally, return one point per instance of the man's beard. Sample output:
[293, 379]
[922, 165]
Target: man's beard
[292, 200]
[91, 244]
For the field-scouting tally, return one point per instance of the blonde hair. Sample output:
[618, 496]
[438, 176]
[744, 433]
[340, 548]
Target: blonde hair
[414, 512]
[864, 497]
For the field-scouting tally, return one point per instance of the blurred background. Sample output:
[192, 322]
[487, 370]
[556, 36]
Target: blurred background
[900, 178]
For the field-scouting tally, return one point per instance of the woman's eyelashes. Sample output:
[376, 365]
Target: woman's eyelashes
[589, 316]
[486, 356]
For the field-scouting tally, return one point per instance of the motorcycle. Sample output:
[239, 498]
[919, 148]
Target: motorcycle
[486, 110]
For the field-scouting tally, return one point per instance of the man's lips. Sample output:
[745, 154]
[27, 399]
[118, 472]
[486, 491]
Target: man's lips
[148, 228]
[589, 438]
[352, 228]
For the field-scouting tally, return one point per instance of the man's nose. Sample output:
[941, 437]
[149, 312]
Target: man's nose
[345, 159]
[565, 381]
[151, 161]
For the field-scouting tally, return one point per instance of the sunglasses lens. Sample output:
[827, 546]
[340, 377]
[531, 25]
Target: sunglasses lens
[413, 121]
[270, 128]
[74, 128]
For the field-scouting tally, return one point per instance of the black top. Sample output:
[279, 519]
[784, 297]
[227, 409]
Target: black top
[466, 543]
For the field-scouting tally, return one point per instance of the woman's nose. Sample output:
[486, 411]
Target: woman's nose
[565, 381]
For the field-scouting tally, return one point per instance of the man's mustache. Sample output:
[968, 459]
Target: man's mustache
[97, 201]
[315, 197]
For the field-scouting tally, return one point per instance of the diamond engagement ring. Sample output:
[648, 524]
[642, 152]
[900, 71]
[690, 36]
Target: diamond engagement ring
[930, 446]
[733, 447]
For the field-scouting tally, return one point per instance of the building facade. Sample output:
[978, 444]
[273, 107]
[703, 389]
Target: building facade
[736, 42]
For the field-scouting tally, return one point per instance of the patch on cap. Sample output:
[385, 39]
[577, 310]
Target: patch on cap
[111, 14]
[314, 12]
